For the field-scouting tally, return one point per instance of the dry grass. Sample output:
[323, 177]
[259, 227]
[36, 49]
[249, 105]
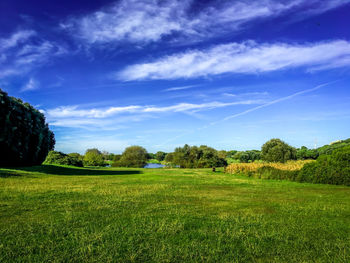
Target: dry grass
[252, 167]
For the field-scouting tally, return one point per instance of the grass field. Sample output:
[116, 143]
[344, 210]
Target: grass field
[65, 214]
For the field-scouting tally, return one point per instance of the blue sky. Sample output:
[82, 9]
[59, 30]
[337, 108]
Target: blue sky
[228, 74]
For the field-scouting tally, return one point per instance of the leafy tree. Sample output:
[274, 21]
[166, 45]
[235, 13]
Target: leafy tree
[276, 150]
[133, 156]
[93, 157]
[160, 156]
[195, 157]
[25, 138]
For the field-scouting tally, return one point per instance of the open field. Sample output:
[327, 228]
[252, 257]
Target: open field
[65, 214]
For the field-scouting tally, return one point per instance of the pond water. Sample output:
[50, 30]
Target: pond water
[154, 165]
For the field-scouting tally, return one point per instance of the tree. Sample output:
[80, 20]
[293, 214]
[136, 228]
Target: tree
[25, 138]
[276, 150]
[195, 157]
[133, 156]
[93, 157]
[160, 156]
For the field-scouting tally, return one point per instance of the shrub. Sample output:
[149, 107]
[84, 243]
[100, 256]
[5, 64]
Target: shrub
[93, 157]
[25, 138]
[328, 169]
[133, 156]
[276, 150]
[63, 159]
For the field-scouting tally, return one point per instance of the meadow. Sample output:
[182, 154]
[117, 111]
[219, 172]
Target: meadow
[67, 214]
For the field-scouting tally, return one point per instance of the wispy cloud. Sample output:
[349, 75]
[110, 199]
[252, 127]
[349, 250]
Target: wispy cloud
[144, 21]
[32, 84]
[25, 50]
[247, 58]
[180, 88]
[107, 118]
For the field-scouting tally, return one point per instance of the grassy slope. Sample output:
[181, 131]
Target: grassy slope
[58, 214]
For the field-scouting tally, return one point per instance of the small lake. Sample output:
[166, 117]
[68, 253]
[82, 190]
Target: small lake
[154, 165]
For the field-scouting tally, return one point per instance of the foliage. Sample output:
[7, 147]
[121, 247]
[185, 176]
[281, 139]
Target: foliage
[328, 149]
[133, 156]
[25, 138]
[304, 153]
[55, 157]
[93, 157]
[247, 156]
[160, 156]
[195, 157]
[331, 168]
[276, 150]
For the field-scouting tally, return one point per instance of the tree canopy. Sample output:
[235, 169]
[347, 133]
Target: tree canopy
[93, 157]
[276, 150]
[133, 156]
[25, 138]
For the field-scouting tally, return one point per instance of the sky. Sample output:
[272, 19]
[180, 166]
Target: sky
[160, 74]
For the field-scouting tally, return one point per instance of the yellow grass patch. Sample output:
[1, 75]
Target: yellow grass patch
[252, 167]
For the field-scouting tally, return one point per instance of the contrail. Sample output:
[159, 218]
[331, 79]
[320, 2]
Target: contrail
[251, 110]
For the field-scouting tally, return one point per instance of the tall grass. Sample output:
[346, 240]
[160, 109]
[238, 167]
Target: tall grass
[237, 168]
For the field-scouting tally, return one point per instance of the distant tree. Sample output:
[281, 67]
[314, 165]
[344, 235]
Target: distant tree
[133, 156]
[160, 156]
[223, 154]
[169, 157]
[276, 150]
[93, 157]
[195, 157]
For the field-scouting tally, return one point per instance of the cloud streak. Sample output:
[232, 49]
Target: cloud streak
[242, 58]
[145, 21]
[108, 118]
[24, 50]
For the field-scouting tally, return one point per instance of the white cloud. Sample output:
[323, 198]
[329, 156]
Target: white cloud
[143, 21]
[180, 88]
[112, 118]
[25, 50]
[15, 39]
[32, 84]
[247, 58]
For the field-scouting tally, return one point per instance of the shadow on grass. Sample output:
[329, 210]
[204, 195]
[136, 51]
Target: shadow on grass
[61, 170]
[6, 174]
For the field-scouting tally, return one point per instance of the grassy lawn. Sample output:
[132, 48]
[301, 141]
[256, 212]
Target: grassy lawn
[65, 214]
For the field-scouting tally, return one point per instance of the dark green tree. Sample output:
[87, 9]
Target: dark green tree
[25, 138]
[276, 150]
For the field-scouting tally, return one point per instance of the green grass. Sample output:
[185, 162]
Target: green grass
[65, 214]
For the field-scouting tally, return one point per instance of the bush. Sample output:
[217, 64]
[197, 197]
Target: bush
[93, 157]
[133, 156]
[25, 138]
[63, 159]
[276, 150]
[328, 169]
